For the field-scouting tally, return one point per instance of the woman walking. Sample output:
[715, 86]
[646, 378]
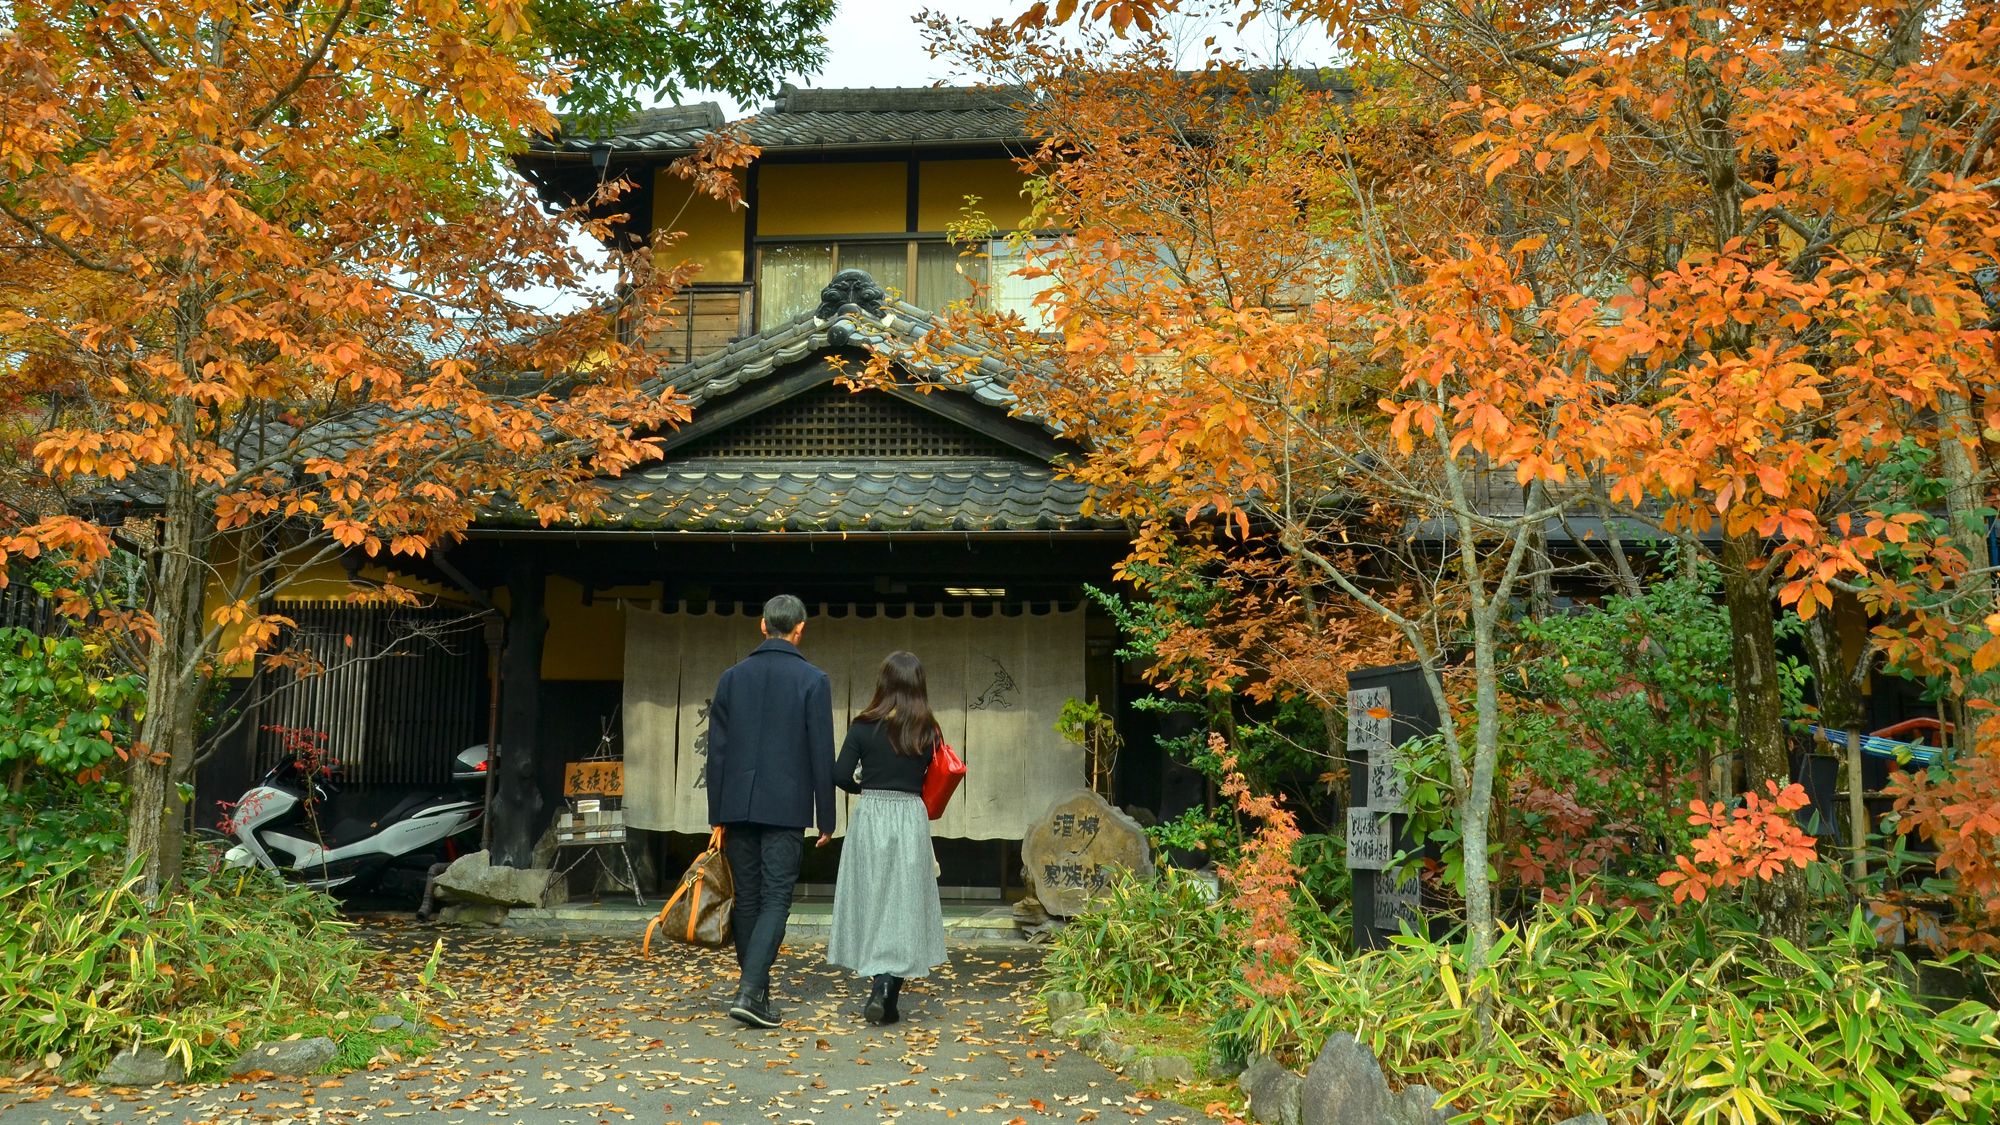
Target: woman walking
[887, 923]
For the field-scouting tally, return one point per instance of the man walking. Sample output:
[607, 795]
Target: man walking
[770, 773]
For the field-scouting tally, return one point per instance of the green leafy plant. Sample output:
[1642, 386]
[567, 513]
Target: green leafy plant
[89, 967]
[62, 707]
[1686, 1020]
[1161, 944]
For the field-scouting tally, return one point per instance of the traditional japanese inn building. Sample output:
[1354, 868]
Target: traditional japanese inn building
[932, 520]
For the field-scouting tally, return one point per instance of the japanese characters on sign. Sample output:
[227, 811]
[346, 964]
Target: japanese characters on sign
[1368, 735]
[1069, 876]
[1398, 898]
[594, 779]
[1078, 848]
[1371, 839]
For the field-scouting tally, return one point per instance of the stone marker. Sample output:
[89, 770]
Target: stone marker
[1273, 1091]
[293, 1058]
[1345, 1086]
[473, 879]
[1078, 847]
[387, 1022]
[141, 1066]
[1155, 1072]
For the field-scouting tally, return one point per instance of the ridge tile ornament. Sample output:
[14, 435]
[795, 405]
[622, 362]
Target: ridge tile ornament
[850, 287]
[1077, 849]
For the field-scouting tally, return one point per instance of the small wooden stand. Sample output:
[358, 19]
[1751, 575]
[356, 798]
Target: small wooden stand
[594, 790]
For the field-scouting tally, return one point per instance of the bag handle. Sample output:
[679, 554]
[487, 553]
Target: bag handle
[689, 878]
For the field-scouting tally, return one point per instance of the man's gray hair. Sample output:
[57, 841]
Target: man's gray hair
[783, 614]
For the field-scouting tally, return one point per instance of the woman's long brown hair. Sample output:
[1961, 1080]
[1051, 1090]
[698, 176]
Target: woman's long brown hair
[902, 698]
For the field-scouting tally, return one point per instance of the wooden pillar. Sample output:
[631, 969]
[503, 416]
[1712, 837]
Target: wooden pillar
[517, 801]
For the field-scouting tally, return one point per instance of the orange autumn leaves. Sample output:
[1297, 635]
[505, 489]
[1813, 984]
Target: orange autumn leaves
[1755, 840]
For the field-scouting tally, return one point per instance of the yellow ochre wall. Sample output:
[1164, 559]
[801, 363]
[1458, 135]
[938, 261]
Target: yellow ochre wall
[942, 186]
[812, 199]
[586, 642]
[831, 199]
[714, 232]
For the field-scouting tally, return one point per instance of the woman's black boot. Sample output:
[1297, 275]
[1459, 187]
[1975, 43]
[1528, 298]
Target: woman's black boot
[889, 1013]
[881, 1003]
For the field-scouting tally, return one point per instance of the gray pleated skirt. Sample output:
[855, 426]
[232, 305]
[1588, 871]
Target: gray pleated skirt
[886, 917]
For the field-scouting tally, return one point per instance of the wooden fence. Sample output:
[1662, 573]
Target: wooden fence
[397, 693]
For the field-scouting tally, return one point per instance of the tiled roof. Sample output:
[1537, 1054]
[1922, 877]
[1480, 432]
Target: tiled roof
[868, 117]
[825, 496]
[827, 118]
[902, 325]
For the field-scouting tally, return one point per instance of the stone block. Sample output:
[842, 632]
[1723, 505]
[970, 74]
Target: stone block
[1222, 1064]
[387, 1022]
[1061, 1004]
[1156, 1072]
[1418, 1105]
[1072, 1025]
[1345, 1086]
[473, 879]
[293, 1058]
[141, 1066]
[1114, 1052]
[1273, 1092]
[468, 914]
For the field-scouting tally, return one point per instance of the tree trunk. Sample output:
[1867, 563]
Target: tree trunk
[1965, 493]
[517, 799]
[1843, 710]
[1780, 903]
[1840, 704]
[164, 755]
[1475, 816]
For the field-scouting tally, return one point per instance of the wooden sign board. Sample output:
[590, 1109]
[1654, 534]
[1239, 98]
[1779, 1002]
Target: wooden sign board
[1371, 841]
[594, 779]
[1399, 899]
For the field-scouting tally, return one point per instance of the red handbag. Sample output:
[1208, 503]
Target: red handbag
[941, 780]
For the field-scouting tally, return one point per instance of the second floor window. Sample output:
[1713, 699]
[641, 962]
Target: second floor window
[928, 273]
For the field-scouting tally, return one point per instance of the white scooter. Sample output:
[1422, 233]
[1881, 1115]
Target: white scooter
[280, 825]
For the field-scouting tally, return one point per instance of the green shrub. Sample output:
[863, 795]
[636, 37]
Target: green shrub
[1663, 1020]
[87, 968]
[54, 821]
[1160, 944]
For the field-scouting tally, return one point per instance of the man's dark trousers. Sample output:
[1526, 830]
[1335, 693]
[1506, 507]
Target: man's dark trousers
[764, 864]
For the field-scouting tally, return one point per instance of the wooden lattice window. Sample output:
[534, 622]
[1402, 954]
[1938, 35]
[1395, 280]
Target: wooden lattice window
[835, 423]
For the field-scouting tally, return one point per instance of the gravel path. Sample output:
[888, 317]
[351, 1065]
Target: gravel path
[586, 1033]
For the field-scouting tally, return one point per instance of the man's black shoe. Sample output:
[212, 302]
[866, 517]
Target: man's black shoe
[755, 1009]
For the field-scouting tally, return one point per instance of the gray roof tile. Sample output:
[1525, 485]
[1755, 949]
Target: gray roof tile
[823, 118]
[969, 496]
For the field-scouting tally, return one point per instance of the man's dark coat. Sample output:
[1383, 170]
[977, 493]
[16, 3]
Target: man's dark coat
[770, 742]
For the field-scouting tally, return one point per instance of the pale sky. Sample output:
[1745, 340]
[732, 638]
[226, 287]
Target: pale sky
[877, 43]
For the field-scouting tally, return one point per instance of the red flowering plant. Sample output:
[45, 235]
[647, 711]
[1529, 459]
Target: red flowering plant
[1754, 841]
